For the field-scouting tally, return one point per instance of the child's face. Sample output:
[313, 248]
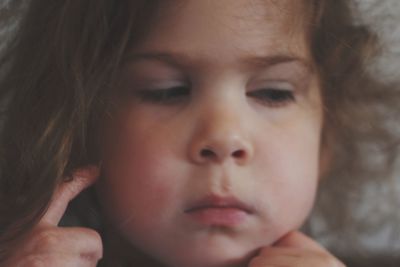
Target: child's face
[215, 150]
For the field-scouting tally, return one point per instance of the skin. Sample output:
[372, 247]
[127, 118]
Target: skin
[219, 99]
[49, 245]
[241, 127]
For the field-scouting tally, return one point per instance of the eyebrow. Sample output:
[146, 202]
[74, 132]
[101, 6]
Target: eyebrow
[251, 61]
[267, 61]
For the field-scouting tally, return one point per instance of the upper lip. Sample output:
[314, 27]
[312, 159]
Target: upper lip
[215, 201]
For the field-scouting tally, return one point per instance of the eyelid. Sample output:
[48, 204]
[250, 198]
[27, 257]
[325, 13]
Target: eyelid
[276, 84]
[273, 94]
[167, 96]
[159, 84]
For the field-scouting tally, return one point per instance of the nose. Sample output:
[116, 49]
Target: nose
[221, 138]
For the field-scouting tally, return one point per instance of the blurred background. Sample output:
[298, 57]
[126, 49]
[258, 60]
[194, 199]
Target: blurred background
[377, 201]
[372, 235]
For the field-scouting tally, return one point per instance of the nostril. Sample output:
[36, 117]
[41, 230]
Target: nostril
[238, 154]
[207, 153]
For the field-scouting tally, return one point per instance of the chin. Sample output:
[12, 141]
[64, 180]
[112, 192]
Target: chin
[212, 256]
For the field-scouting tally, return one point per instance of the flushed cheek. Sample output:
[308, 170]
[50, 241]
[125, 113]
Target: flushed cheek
[132, 167]
[126, 200]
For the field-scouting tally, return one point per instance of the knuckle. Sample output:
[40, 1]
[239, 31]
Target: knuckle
[93, 235]
[96, 244]
[34, 261]
[47, 239]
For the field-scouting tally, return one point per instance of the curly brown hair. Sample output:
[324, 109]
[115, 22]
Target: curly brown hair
[65, 57]
[363, 145]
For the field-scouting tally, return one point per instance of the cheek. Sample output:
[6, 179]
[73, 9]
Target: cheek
[289, 172]
[134, 186]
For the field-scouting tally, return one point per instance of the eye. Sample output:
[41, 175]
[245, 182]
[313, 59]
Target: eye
[273, 97]
[164, 96]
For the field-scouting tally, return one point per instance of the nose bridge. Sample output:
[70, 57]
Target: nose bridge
[221, 134]
[222, 122]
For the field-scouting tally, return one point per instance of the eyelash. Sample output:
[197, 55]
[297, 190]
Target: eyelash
[164, 96]
[269, 96]
[273, 97]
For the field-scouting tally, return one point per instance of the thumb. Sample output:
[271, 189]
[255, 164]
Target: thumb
[66, 191]
[297, 239]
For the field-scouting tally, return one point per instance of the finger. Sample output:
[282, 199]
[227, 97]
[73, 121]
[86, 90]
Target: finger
[67, 191]
[60, 260]
[87, 242]
[283, 256]
[297, 239]
[273, 257]
[82, 242]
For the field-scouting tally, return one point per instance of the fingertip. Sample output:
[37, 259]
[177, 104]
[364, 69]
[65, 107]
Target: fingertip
[88, 173]
[286, 239]
[297, 239]
[82, 178]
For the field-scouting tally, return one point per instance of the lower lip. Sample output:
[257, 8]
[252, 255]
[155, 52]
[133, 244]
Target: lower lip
[219, 216]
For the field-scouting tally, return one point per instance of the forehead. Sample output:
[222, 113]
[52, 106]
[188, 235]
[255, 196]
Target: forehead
[223, 28]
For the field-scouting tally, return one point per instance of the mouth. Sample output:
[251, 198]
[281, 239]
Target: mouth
[216, 210]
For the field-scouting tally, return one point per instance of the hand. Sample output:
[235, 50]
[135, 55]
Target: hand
[295, 250]
[48, 245]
